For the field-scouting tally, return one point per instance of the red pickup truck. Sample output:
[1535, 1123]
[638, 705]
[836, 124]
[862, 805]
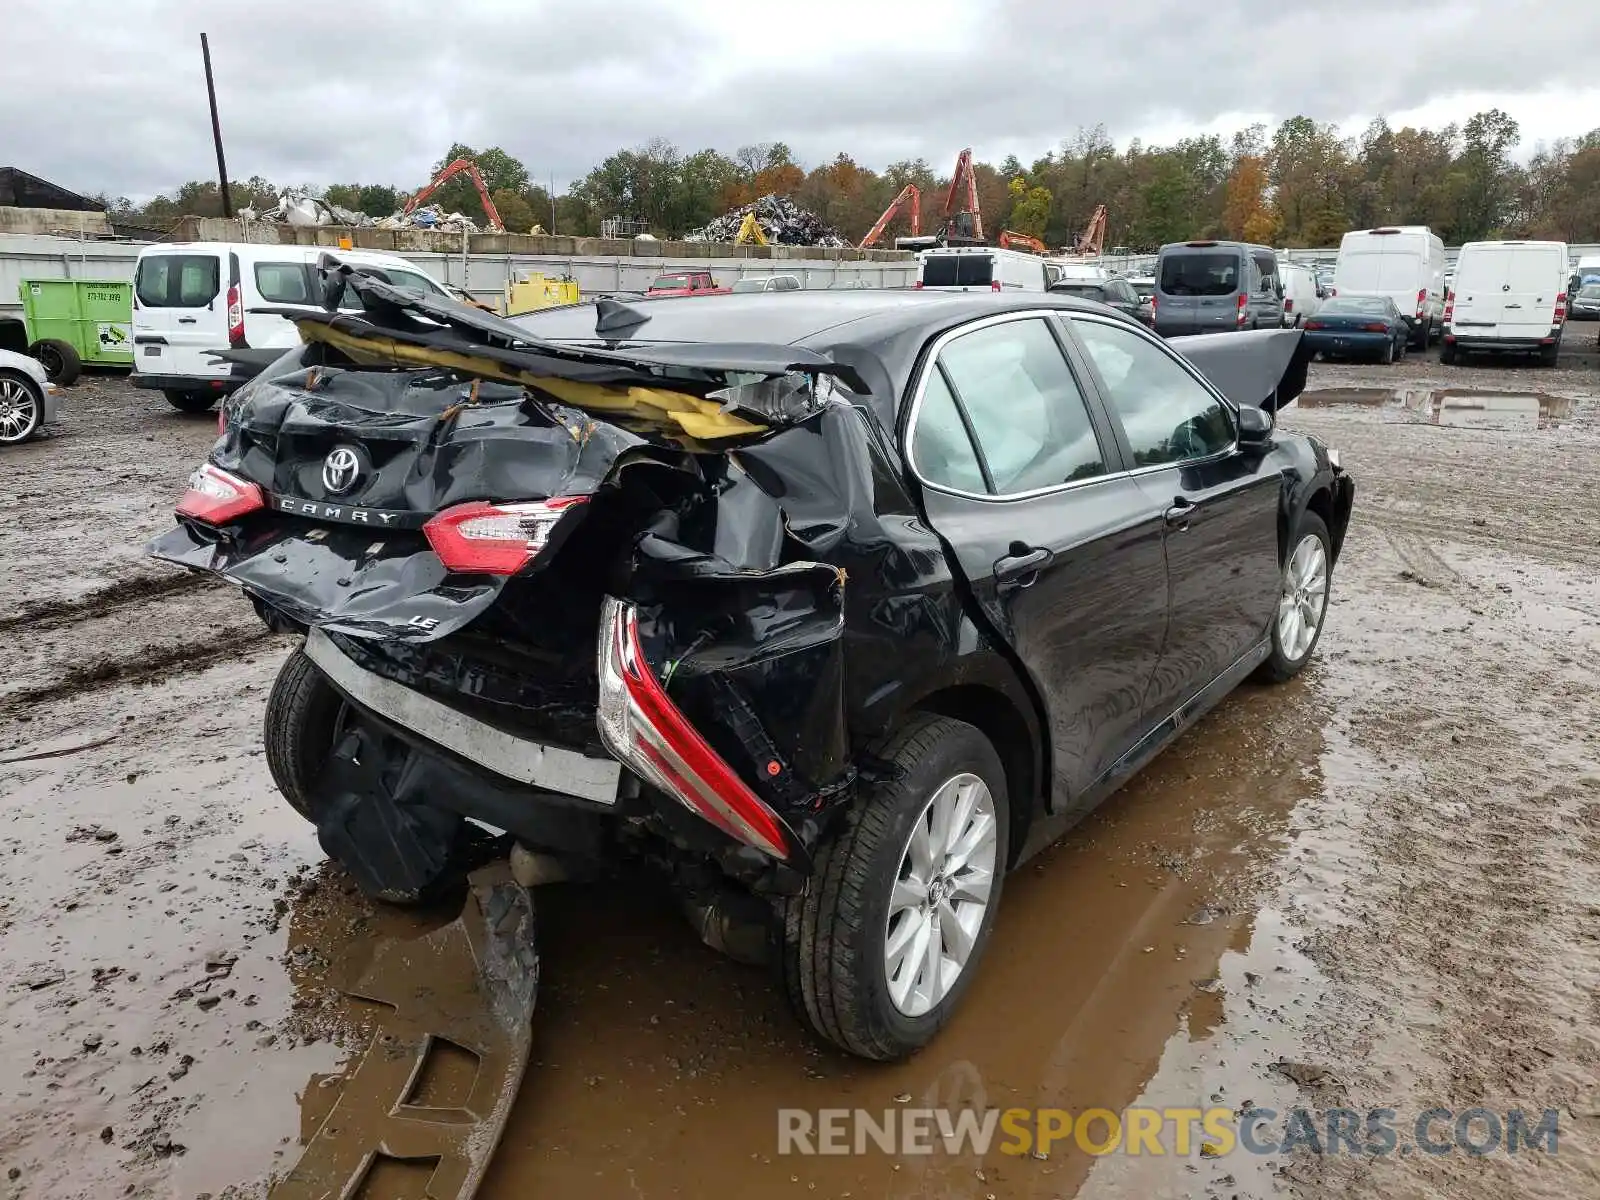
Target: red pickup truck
[686, 283]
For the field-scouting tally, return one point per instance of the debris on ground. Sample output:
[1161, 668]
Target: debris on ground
[780, 218]
[429, 216]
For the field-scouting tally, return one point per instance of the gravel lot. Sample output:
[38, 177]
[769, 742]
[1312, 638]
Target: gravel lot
[1376, 887]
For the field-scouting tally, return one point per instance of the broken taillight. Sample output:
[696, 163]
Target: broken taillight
[495, 539]
[217, 497]
[650, 735]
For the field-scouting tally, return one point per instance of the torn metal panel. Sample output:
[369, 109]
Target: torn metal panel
[471, 984]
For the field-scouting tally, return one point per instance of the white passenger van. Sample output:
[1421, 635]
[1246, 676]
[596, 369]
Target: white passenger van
[1403, 262]
[986, 268]
[1507, 297]
[193, 298]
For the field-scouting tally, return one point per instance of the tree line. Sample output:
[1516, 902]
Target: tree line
[1302, 184]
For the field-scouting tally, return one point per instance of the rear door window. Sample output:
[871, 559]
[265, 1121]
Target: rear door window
[958, 270]
[1024, 408]
[1200, 273]
[178, 280]
[283, 283]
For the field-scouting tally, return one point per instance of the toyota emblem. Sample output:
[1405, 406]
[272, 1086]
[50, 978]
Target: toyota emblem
[340, 470]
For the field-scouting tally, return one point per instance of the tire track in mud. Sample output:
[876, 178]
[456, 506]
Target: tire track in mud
[106, 600]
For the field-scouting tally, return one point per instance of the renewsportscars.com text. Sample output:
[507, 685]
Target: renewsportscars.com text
[1213, 1132]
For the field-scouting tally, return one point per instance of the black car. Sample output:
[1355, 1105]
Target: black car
[830, 612]
[1358, 327]
[1113, 293]
[1584, 304]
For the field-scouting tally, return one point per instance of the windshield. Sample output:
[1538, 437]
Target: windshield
[957, 270]
[750, 285]
[1145, 287]
[1207, 273]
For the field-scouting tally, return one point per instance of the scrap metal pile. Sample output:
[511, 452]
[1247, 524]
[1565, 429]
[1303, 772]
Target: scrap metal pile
[303, 209]
[781, 219]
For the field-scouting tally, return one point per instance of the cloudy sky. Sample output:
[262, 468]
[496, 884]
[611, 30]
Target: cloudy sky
[110, 96]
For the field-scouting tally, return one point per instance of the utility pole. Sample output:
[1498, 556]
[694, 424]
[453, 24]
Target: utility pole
[216, 130]
[552, 203]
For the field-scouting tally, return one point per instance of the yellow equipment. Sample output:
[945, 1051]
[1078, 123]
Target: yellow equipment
[750, 231]
[534, 290]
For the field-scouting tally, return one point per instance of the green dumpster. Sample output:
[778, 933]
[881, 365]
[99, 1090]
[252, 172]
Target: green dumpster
[75, 321]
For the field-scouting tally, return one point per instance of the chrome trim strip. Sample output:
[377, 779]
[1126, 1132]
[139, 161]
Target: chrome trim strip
[550, 768]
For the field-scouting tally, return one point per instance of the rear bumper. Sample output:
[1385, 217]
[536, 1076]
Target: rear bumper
[50, 406]
[216, 385]
[1354, 342]
[1510, 345]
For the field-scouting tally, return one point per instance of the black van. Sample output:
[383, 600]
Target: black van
[1211, 287]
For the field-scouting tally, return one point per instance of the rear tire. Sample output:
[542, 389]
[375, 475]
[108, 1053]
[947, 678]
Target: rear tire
[1310, 558]
[302, 718]
[1387, 357]
[1447, 354]
[1549, 354]
[59, 359]
[836, 957]
[189, 402]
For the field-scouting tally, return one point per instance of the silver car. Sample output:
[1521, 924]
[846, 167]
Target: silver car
[28, 400]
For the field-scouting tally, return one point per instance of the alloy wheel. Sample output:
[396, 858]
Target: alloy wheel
[941, 894]
[19, 411]
[1304, 598]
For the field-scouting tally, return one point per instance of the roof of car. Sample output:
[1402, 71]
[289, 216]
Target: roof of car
[855, 315]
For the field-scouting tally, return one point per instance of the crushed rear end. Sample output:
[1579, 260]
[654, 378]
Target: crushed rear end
[550, 599]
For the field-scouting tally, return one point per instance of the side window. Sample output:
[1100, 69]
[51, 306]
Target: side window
[1267, 267]
[940, 448]
[178, 280]
[282, 283]
[1167, 414]
[1027, 413]
[411, 279]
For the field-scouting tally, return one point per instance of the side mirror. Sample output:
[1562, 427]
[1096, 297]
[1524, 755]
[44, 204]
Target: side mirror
[1255, 426]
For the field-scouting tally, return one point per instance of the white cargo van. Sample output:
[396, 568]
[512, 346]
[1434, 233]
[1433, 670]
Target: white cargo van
[193, 298]
[1508, 296]
[984, 268]
[1302, 294]
[1403, 262]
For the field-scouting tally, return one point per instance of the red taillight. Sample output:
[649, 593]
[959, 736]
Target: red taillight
[1288, 305]
[1243, 300]
[1333, 291]
[1374, 327]
[1449, 307]
[217, 497]
[994, 285]
[649, 734]
[235, 317]
[1422, 301]
[495, 539]
[1561, 307]
[917, 284]
[1315, 325]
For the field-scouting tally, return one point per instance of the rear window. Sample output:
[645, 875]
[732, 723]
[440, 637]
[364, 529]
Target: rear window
[1356, 305]
[957, 270]
[178, 280]
[1590, 291]
[1206, 273]
[283, 283]
[671, 281]
[750, 285]
[1088, 291]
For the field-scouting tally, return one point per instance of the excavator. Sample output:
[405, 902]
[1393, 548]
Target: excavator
[1010, 239]
[958, 226]
[1091, 242]
[449, 173]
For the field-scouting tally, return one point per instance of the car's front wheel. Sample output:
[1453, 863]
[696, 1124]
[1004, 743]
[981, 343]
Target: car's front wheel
[886, 938]
[21, 409]
[1302, 600]
[189, 402]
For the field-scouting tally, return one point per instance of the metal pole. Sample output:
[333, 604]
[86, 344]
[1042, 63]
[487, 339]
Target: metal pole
[552, 203]
[216, 129]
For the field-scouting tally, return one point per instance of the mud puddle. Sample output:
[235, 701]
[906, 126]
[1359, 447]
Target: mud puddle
[1468, 407]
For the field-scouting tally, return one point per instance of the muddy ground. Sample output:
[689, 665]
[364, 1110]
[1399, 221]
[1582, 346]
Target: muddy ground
[1376, 887]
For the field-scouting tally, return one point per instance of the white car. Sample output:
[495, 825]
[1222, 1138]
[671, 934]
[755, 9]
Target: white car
[767, 283]
[1302, 294]
[194, 299]
[28, 400]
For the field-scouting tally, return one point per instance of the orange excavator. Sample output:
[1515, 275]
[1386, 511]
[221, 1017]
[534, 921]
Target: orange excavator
[449, 173]
[908, 195]
[958, 226]
[1091, 242]
[1010, 239]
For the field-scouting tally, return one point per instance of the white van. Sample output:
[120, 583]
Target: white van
[1403, 262]
[1302, 294]
[1508, 296]
[193, 298]
[984, 268]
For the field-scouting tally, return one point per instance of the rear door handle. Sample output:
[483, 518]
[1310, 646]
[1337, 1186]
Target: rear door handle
[1179, 514]
[1019, 566]
[186, 320]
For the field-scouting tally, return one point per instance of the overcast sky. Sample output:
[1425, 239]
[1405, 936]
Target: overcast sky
[110, 96]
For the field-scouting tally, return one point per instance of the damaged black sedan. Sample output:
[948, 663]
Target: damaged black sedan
[830, 612]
